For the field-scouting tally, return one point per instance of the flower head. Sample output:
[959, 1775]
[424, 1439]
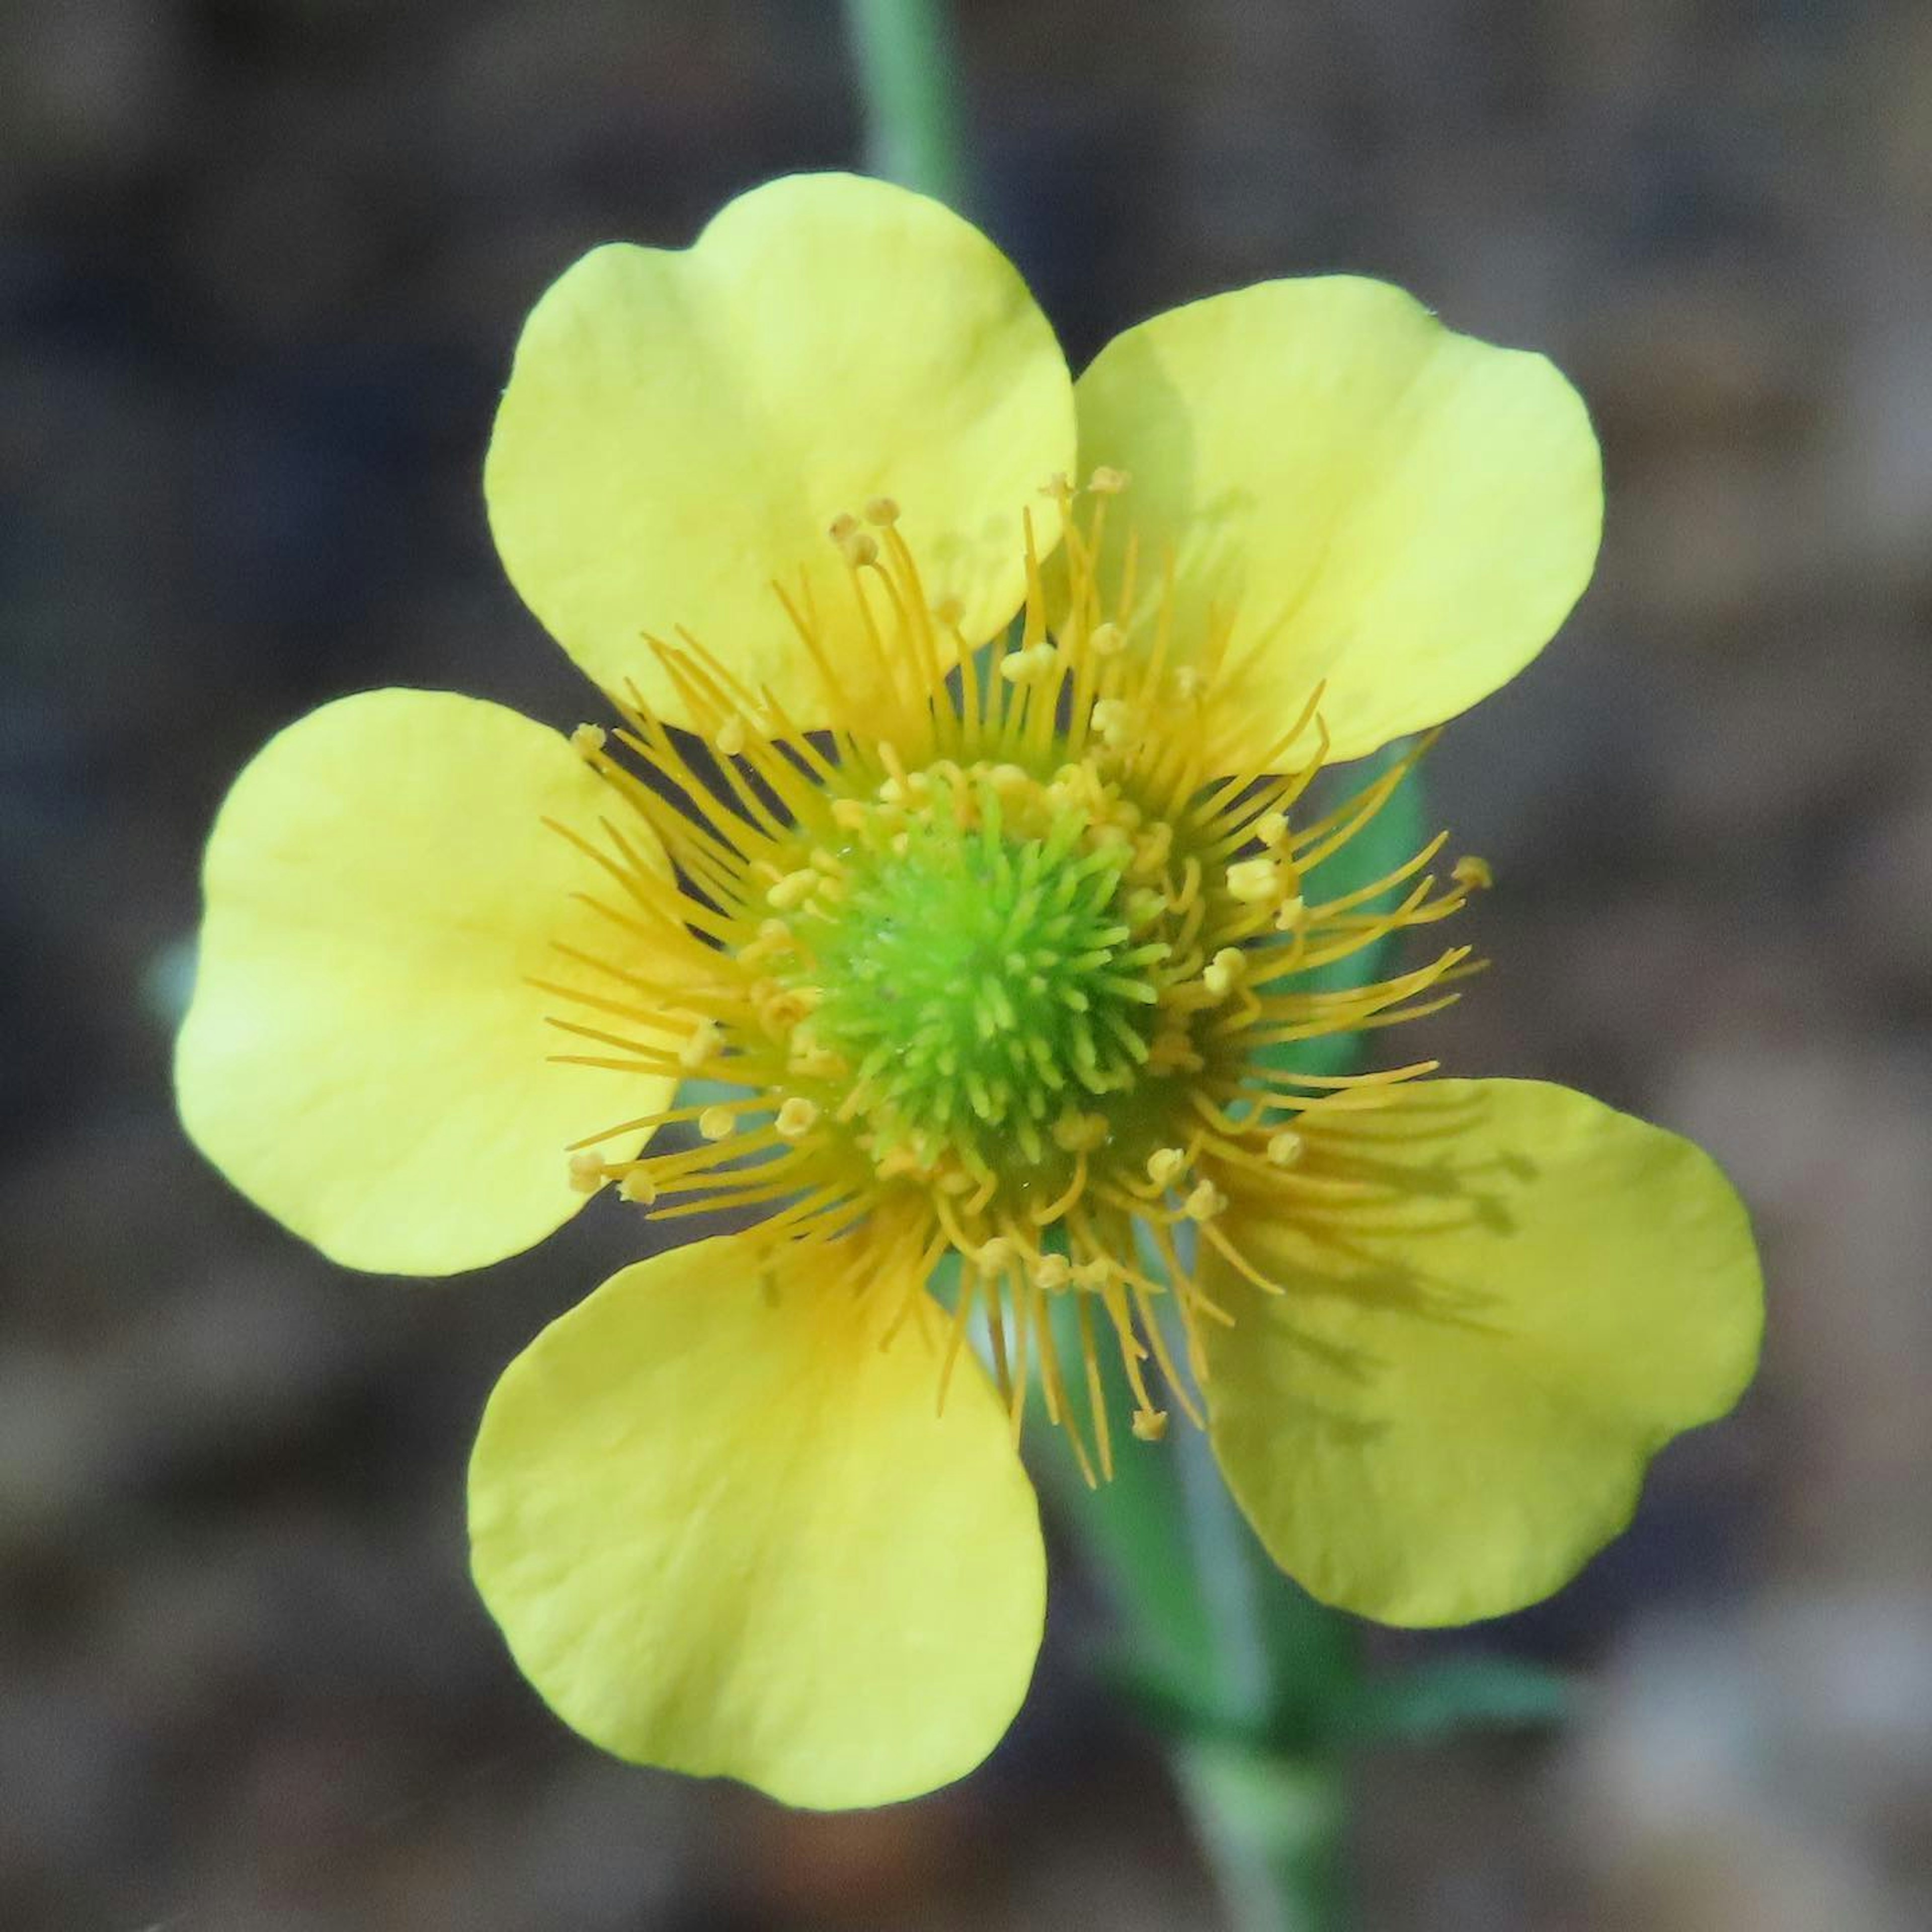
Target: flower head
[943, 891]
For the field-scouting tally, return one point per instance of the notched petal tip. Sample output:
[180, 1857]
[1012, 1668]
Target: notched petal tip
[1443, 1418]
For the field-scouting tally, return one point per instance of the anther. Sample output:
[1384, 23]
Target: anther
[1271, 828]
[1293, 913]
[796, 1118]
[794, 888]
[1472, 874]
[1058, 485]
[1106, 640]
[717, 1123]
[950, 609]
[882, 510]
[1079, 1133]
[1165, 1166]
[1149, 1425]
[1108, 482]
[1225, 971]
[1204, 1203]
[1285, 1148]
[731, 737]
[1254, 881]
[586, 1171]
[637, 1188]
[1033, 665]
[588, 740]
[843, 529]
[994, 1257]
[1052, 1273]
[1114, 721]
[700, 1045]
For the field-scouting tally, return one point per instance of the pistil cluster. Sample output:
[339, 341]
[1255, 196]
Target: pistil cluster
[993, 971]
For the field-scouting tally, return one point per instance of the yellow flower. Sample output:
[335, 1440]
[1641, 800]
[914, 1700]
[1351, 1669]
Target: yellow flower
[980, 953]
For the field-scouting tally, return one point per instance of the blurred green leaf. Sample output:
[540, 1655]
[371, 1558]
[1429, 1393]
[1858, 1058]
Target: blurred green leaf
[1429, 1702]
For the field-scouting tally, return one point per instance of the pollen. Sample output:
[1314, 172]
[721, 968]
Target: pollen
[993, 969]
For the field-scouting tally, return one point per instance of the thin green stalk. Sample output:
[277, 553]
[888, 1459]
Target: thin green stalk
[1269, 1806]
[909, 79]
[1271, 1828]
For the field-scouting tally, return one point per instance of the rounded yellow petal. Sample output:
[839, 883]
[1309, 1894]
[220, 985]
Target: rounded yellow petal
[681, 428]
[364, 1056]
[1500, 1299]
[1374, 503]
[725, 1532]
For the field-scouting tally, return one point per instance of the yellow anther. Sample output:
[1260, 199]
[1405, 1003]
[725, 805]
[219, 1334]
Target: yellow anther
[774, 937]
[1149, 1425]
[1106, 640]
[1171, 1051]
[861, 550]
[1093, 1276]
[794, 888]
[1165, 1166]
[717, 1123]
[1108, 482]
[882, 510]
[1079, 1133]
[700, 1045]
[586, 1171]
[1033, 665]
[796, 1118]
[1271, 828]
[1254, 881]
[1293, 914]
[1472, 874]
[731, 738]
[1052, 1273]
[1205, 1202]
[1225, 971]
[1286, 1147]
[1114, 721]
[843, 529]
[949, 609]
[851, 813]
[1189, 683]
[637, 1188]
[817, 1062]
[589, 740]
[1058, 484]
[1151, 849]
[995, 1256]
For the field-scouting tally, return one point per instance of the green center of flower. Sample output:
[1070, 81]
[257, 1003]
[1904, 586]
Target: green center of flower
[985, 985]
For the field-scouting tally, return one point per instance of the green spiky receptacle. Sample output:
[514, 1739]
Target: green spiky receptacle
[984, 985]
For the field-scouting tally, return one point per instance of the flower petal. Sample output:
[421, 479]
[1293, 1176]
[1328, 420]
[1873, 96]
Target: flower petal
[725, 1532]
[1501, 1298]
[364, 1056]
[1375, 502]
[681, 427]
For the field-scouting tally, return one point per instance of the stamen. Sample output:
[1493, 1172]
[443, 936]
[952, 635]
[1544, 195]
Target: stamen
[988, 969]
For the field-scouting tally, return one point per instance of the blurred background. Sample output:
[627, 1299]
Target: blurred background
[262, 264]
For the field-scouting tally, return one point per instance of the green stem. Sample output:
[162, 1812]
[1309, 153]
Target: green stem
[909, 78]
[1271, 1828]
[1270, 1815]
